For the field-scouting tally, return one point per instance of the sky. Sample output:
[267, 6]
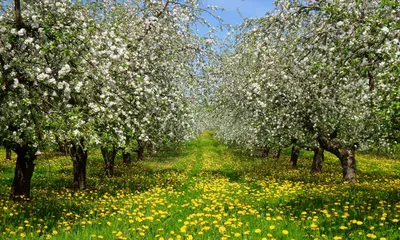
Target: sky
[231, 15]
[248, 8]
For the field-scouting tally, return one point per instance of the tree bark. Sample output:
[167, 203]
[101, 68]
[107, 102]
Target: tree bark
[150, 149]
[140, 151]
[21, 186]
[295, 155]
[316, 167]
[109, 160]
[346, 156]
[278, 153]
[126, 158]
[8, 153]
[79, 158]
[18, 18]
[265, 152]
[348, 160]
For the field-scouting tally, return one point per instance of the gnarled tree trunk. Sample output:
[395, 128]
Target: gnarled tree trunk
[140, 150]
[345, 154]
[109, 160]
[8, 153]
[278, 153]
[348, 161]
[295, 155]
[318, 159]
[149, 149]
[79, 158]
[21, 186]
[265, 152]
[126, 157]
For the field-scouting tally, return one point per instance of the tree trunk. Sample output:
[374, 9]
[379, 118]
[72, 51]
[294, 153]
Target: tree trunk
[18, 17]
[348, 161]
[278, 153]
[295, 155]
[62, 148]
[109, 160]
[346, 156]
[140, 151]
[8, 153]
[79, 158]
[126, 158]
[21, 186]
[316, 167]
[150, 149]
[265, 152]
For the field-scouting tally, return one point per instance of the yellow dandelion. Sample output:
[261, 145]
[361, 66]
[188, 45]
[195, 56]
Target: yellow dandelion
[286, 232]
[272, 227]
[371, 235]
[222, 229]
[257, 230]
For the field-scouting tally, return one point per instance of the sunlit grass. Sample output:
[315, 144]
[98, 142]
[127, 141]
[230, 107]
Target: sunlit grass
[206, 191]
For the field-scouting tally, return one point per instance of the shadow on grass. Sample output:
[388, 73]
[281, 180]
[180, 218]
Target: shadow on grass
[46, 206]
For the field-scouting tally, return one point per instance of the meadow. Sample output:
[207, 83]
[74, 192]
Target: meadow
[205, 190]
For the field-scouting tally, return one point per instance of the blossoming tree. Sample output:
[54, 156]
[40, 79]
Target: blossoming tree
[323, 73]
[104, 73]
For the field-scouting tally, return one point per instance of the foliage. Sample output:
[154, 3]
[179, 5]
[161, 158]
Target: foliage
[313, 68]
[107, 72]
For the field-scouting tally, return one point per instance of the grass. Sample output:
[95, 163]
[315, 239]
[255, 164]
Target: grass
[206, 191]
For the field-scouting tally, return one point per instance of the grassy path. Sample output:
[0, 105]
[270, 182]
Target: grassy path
[206, 191]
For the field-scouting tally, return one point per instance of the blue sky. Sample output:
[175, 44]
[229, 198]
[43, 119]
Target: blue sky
[231, 15]
[248, 8]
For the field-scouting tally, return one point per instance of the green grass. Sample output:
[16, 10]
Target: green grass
[205, 190]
